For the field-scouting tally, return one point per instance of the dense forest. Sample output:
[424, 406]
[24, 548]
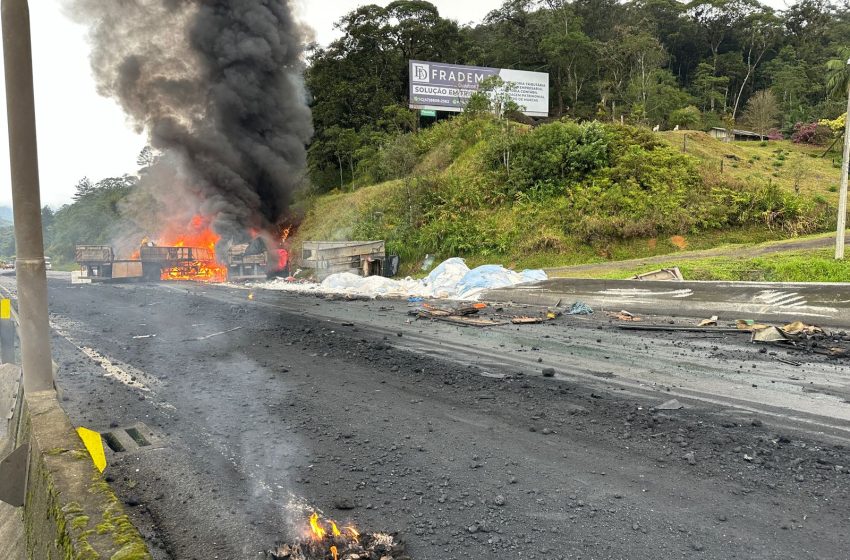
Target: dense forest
[648, 62]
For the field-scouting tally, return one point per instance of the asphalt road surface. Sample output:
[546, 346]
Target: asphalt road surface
[258, 411]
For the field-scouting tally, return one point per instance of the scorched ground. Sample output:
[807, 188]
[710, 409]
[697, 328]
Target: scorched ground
[260, 412]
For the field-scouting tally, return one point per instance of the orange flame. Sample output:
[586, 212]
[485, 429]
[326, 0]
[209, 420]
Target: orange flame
[197, 233]
[334, 552]
[318, 531]
[284, 233]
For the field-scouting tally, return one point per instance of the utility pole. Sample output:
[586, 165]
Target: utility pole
[26, 200]
[842, 196]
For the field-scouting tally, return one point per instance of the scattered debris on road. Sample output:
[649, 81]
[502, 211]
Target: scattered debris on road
[672, 404]
[748, 325]
[710, 322]
[769, 334]
[663, 274]
[328, 541]
[525, 320]
[796, 335]
[625, 316]
[580, 308]
[468, 314]
[197, 338]
[684, 328]
[798, 327]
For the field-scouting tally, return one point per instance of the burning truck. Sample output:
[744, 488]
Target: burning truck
[256, 261]
[154, 262]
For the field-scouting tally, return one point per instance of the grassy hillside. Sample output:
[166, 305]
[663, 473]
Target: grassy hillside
[781, 161]
[565, 193]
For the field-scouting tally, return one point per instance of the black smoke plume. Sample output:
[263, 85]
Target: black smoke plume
[217, 86]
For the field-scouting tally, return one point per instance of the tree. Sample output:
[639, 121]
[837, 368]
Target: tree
[790, 82]
[807, 23]
[838, 73]
[145, 158]
[341, 144]
[709, 89]
[83, 188]
[663, 96]
[761, 28]
[687, 118]
[646, 55]
[761, 112]
[493, 96]
[47, 220]
[94, 218]
[572, 60]
[718, 20]
[613, 76]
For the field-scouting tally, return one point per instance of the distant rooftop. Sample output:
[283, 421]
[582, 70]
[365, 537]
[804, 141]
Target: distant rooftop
[738, 132]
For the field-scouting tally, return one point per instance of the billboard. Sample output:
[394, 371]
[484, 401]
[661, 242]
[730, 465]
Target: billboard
[447, 87]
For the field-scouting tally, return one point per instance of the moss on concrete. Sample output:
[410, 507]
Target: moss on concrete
[132, 551]
[60, 506]
[80, 455]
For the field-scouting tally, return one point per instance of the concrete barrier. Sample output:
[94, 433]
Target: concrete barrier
[826, 304]
[70, 512]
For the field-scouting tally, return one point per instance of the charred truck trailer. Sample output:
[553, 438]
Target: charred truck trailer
[364, 258]
[98, 262]
[95, 261]
[154, 263]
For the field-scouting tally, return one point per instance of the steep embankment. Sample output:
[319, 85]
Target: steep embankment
[567, 193]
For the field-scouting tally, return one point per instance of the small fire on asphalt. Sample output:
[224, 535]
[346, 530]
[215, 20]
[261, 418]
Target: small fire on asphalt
[327, 541]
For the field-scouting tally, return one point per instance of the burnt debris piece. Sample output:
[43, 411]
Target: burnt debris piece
[479, 315]
[796, 337]
[327, 541]
[370, 546]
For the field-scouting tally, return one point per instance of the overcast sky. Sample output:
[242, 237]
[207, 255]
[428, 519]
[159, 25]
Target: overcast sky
[81, 134]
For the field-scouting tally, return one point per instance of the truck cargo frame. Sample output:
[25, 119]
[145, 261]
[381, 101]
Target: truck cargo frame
[365, 258]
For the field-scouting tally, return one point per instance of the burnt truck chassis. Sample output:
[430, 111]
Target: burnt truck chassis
[242, 264]
[95, 260]
[98, 263]
[185, 260]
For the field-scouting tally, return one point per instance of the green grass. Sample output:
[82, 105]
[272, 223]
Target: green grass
[781, 161]
[817, 265]
[333, 217]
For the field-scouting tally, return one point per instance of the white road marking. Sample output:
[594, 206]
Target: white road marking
[638, 292]
[781, 299]
[124, 373]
